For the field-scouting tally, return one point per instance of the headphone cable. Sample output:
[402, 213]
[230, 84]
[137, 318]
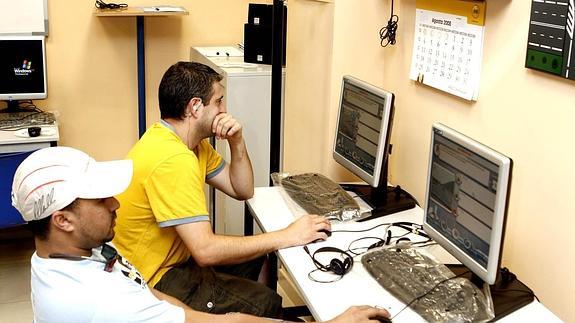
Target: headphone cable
[387, 33]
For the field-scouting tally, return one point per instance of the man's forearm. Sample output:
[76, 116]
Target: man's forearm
[209, 249]
[228, 250]
[241, 172]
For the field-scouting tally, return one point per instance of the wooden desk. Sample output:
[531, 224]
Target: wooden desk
[139, 13]
[325, 301]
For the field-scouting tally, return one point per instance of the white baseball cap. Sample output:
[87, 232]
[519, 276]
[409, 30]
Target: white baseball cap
[51, 178]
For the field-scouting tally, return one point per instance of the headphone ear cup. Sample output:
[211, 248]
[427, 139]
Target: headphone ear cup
[348, 263]
[337, 267]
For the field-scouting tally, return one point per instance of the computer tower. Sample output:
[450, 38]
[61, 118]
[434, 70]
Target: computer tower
[258, 34]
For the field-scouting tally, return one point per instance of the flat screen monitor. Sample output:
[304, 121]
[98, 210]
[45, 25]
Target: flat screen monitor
[466, 200]
[22, 69]
[363, 128]
[362, 144]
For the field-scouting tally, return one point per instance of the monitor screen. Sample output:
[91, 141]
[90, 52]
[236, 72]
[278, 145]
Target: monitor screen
[22, 68]
[466, 200]
[363, 128]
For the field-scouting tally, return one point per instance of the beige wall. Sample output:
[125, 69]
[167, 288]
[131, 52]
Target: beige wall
[92, 72]
[308, 61]
[522, 113]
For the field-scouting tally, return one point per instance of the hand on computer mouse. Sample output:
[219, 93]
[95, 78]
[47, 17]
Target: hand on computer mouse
[381, 319]
[327, 232]
[304, 230]
[361, 314]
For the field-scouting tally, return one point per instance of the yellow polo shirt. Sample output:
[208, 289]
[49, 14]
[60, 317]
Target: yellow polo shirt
[167, 189]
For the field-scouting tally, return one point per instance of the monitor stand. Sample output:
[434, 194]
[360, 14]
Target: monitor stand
[508, 293]
[12, 106]
[384, 200]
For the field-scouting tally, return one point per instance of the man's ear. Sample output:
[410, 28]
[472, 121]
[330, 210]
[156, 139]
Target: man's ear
[193, 106]
[63, 220]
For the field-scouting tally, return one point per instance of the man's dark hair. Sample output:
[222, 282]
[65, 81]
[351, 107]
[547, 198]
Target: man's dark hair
[41, 228]
[182, 82]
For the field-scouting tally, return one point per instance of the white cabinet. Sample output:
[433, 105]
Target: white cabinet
[248, 98]
[15, 146]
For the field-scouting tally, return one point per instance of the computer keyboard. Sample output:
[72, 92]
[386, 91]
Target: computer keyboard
[18, 120]
[318, 194]
[409, 275]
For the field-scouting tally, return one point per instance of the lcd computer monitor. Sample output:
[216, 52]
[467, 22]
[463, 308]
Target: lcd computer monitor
[466, 200]
[22, 69]
[362, 144]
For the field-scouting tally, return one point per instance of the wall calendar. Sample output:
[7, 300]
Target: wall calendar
[448, 46]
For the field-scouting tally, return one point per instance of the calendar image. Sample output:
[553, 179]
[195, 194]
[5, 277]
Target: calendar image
[447, 51]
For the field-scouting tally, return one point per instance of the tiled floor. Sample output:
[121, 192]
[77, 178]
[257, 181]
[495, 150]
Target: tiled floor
[16, 248]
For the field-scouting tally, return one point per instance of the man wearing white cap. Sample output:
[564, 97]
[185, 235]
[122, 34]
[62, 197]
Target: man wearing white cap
[67, 199]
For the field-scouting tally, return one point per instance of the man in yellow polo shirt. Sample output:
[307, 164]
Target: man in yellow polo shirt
[163, 226]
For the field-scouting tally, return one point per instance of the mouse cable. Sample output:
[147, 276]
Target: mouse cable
[379, 225]
[363, 230]
[103, 5]
[429, 291]
[12, 130]
[388, 32]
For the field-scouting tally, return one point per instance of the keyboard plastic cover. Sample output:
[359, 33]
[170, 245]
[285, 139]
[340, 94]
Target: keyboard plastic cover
[408, 275]
[317, 194]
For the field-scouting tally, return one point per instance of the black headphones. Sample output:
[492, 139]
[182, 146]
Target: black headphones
[335, 266]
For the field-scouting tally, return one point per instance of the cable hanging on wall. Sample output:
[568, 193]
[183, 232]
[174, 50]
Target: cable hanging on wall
[103, 5]
[387, 32]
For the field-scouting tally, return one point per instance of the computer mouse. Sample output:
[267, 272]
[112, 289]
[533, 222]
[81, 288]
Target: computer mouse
[381, 319]
[326, 232]
[34, 131]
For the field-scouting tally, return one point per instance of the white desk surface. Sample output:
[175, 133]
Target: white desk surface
[48, 133]
[272, 212]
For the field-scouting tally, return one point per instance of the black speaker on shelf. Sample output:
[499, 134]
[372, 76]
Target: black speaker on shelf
[258, 34]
